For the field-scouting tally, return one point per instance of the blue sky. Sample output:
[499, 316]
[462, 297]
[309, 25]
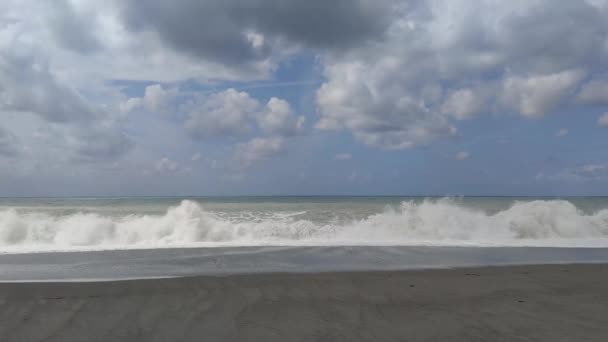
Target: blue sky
[358, 97]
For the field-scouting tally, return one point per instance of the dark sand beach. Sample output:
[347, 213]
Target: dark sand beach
[509, 303]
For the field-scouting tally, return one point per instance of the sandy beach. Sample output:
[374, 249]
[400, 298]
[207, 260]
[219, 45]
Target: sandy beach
[515, 303]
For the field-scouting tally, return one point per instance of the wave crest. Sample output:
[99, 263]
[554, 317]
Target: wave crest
[431, 222]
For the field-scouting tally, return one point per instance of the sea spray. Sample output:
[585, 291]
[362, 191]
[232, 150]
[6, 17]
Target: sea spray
[429, 222]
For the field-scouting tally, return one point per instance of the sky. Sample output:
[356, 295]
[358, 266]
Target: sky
[290, 97]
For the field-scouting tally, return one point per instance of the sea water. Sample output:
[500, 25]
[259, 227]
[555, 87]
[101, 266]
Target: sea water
[68, 224]
[48, 238]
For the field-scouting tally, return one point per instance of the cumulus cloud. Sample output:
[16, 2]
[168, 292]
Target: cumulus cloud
[258, 149]
[155, 99]
[224, 113]
[464, 103]
[355, 98]
[235, 113]
[129, 105]
[603, 120]
[397, 74]
[534, 96]
[278, 118]
[443, 60]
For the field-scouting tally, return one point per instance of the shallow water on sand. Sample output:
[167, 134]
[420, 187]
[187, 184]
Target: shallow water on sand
[159, 263]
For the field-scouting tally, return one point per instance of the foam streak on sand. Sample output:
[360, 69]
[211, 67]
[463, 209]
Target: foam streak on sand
[430, 222]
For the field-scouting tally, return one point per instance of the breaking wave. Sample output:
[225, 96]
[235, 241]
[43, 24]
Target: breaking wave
[431, 222]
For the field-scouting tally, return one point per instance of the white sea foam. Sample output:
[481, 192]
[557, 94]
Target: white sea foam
[431, 222]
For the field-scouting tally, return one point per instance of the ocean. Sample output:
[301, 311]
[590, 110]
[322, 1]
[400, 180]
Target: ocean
[108, 238]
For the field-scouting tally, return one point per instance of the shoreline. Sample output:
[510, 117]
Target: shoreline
[295, 273]
[162, 263]
[557, 302]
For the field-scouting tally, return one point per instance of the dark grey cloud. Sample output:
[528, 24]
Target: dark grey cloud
[217, 30]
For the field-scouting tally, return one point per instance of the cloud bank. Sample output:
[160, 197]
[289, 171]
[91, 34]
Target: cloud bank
[105, 82]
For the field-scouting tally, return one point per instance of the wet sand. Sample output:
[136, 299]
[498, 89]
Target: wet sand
[515, 303]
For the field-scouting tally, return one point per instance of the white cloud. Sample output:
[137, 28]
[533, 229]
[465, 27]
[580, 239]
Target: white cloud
[355, 98]
[562, 132]
[235, 113]
[603, 120]
[258, 149]
[534, 96]
[594, 92]
[445, 60]
[343, 156]
[227, 113]
[155, 99]
[196, 157]
[462, 155]
[130, 105]
[463, 104]
[397, 74]
[278, 118]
